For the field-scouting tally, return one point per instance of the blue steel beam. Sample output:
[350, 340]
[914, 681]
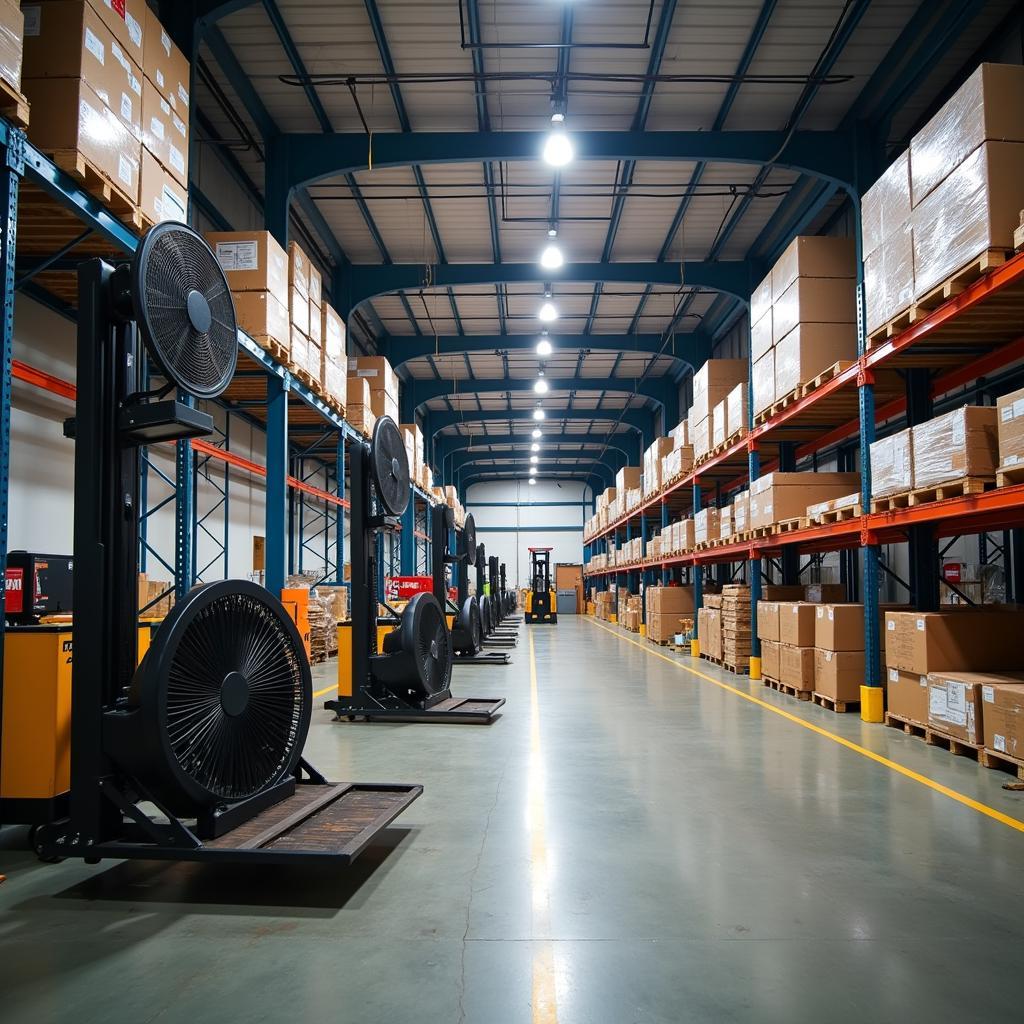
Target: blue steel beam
[302, 158]
[603, 474]
[363, 281]
[640, 420]
[458, 461]
[625, 442]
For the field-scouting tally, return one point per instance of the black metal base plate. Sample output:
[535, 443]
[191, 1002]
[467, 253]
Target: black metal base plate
[33, 811]
[465, 710]
[320, 824]
[484, 658]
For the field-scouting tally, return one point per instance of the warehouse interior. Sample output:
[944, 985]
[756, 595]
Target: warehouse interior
[512, 510]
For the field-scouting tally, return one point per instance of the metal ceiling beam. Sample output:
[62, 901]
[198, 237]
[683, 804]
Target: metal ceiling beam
[640, 420]
[625, 441]
[593, 471]
[457, 461]
[361, 282]
[399, 349]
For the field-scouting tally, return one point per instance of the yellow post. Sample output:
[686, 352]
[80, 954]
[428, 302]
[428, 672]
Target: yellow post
[755, 668]
[694, 648]
[643, 629]
[613, 618]
[872, 704]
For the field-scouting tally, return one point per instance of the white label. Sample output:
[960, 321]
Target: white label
[1018, 408]
[183, 94]
[891, 626]
[894, 676]
[134, 29]
[94, 45]
[165, 42]
[156, 127]
[820, 613]
[118, 54]
[179, 126]
[920, 625]
[159, 79]
[33, 19]
[1011, 460]
[238, 255]
[957, 699]
[134, 84]
[795, 609]
[999, 742]
[831, 615]
[988, 694]
[165, 107]
[125, 170]
[126, 106]
[366, 373]
[173, 205]
[959, 428]
[1006, 413]
[177, 160]
[828, 656]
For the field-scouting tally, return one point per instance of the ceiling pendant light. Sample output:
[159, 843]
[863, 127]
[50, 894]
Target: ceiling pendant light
[536, 435]
[534, 460]
[558, 149]
[534, 447]
[538, 413]
[543, 347]
[551, 258]
[540, 386]
[547, 313]
[533, 481]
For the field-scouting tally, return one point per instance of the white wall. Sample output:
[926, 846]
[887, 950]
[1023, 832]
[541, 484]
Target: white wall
[524, 516]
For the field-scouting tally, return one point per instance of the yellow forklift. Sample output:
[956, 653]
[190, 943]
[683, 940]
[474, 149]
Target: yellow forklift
[540, 601]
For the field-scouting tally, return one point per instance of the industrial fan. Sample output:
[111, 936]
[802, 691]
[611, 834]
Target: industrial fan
[407, 677]
[466, 622]
[494, 635]
[209, 728]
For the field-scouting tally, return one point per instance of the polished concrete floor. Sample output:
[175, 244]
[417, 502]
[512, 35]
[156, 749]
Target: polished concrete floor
[629, 842]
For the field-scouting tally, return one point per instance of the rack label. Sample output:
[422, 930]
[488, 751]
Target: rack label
[238, 255]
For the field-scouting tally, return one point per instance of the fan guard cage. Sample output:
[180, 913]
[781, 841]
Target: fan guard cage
[390, 464]
[469, 538]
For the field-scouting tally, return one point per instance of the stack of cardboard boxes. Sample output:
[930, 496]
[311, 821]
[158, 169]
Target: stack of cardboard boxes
[299, 271]
[256, 268]
[709, 627]
[803, 316]
[839, 651]
[729, 416]
[604, 603]
[736, 626]
[358, 411]
[706, 526]
[110, 92]
[775, 497]
[712, 384]
[678, 462]
[778, 625]
[957, 446]
[12, 43]
[315, 342]
[418, 468]
[335, 361]
[653, 457]
[1010, 429]
[665, 607]
[632, 614]
[156, 597]
[382, 381]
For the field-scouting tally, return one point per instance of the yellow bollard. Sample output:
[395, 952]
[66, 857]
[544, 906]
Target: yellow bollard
[643, 629]
[755, 668]
[694, 648]
[872, 704]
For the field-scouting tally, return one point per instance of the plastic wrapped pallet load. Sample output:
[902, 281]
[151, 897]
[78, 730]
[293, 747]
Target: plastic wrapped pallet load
[958, 445]
[892, 465]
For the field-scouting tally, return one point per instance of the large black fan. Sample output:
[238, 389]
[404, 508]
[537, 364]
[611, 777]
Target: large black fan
[418, 652]
[486, 619]
[184, 309]
[469, 538]
[224, 696]
[389, 462]
[468, 625]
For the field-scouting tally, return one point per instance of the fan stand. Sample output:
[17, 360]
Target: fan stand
[300, 819]
[495, 636]
[372, 698]
[441, 556]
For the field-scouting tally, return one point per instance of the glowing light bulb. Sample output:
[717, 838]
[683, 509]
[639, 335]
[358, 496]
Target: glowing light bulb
[538, 414]
[558, 149]
[536, 435]
[534, 460]
[534, 447]
[543, 347]
[547, 313]
[551, 258]
[541, 386]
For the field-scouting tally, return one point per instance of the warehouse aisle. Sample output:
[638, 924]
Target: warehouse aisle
[629, 842]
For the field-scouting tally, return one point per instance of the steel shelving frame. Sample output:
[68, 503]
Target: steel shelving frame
[966, 339]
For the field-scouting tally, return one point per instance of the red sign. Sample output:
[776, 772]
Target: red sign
[14, 586]
[951, 572]
[404, 588]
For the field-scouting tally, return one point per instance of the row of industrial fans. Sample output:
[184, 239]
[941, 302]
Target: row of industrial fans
[196, 752]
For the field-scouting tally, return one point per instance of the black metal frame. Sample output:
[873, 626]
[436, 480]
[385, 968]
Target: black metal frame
[542, 609]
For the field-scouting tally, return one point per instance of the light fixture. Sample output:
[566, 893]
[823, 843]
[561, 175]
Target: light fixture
[533, 481]
[551, 258]
[547, 313]
[543, 347]
[538, 413]
[534, 447]
[540, 386]
[552, 231]
[547, 293]
[558, 149]
[534, 460]
[536, 435]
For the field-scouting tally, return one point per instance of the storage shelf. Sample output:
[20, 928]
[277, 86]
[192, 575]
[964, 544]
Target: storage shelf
[972, 335]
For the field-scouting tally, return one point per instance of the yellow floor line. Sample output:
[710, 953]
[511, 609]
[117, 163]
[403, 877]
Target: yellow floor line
[544, 1001]
[990, 812]
[326, 689]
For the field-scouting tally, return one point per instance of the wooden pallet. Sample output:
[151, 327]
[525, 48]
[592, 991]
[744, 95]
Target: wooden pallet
[792, 691]
[13, 105]
[839, 515]
[708, 657]
[1010, 475]
[991, 259]
[823, 700]
[791, 398]
[789, 525]
[739, 670]
[762, 532]
[273, 348]
[899, 323]
[825, 376]
[94, 181]
[934, 737]
[1002, 762]
[925, 495]
[661, 643]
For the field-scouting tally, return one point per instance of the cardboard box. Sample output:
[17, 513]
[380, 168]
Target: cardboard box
[670, 600]
[165, 65]
[761, 301]
[253, 261]
[314, 362]
[889, 280]
[378, 373]
[770, 659]
[761, 336]
[316, 286]
[839, 674]
[809, 349]
[384, 404]
[700, 435]
[68, 115]
[713, 382]
[768, 620]
[361, 417]
[680, 433]
[824, 593]
[969, 640]
[298, 310]
[892, 465]
[986, 107]
[652, 464]
[816, 256]
[357, 391]
[12, 43]
[334, 381]
[161, 196]
[796, 623]
[1010, 409]
[741, 512]
[778, 496]
[298, 270]
[975, 209]
[886, 206]
[719, 422]
[796, 666]
[316, 323]
[676, 463]
[906, 695]
[814, 300]
[627, 478]
[164, 133]
[333, 331]
[764, 381]
[706, 526]
[662, 626]
[263, 318]
[839, 627]
[954, 704]
[1002, 716]
[962, 443]
[736, 410]
[68, 39]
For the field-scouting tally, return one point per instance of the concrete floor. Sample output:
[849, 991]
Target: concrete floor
[629, 842]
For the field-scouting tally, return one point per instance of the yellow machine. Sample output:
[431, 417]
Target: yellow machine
[541, 599]
[35, 757]
[345, 653]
